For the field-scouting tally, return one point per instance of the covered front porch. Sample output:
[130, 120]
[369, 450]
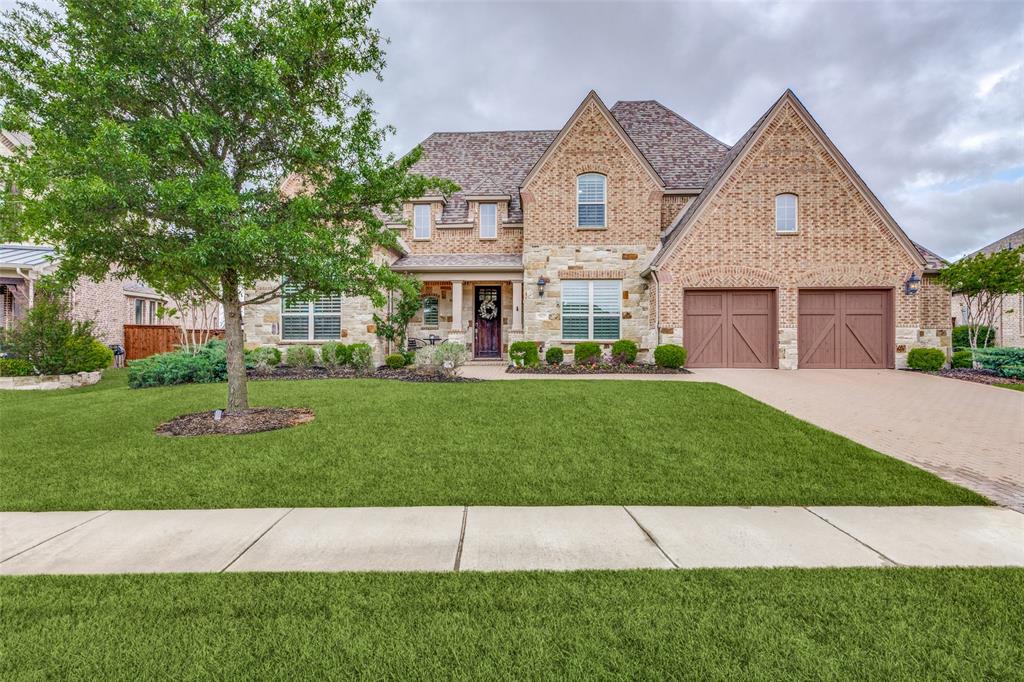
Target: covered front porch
[21, 265]
[476, 300]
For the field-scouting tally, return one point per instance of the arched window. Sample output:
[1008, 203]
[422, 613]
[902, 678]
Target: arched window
[785, 213]
[590, 200]
[430, 311]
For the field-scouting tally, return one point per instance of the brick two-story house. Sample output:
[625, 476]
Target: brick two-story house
[631, 222]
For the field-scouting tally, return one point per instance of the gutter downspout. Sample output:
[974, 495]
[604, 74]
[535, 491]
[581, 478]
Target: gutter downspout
[657, 305]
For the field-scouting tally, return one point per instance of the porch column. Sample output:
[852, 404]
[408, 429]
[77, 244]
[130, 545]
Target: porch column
[517, 306]
[457, 306]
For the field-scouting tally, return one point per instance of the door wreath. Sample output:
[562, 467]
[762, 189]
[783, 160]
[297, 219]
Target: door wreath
[487, 310]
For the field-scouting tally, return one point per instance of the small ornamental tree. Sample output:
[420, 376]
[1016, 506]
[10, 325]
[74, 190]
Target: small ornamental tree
[202, 147]
[403, 304]
[981, 281]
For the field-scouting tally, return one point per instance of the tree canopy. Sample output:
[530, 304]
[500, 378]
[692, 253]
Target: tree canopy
[982, 280]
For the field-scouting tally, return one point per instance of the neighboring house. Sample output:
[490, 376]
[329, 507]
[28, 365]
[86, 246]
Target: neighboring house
[1009, 321]
[631, 222]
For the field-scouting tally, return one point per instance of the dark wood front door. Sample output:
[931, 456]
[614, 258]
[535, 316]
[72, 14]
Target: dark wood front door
[730, 328]
[849, 329]
[487, 323]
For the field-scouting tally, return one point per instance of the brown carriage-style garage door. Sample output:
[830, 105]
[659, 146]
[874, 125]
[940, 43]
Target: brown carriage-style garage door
[845, 328]
[730, 328]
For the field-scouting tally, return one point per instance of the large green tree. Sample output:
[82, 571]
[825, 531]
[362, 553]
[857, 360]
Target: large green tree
[164, 131]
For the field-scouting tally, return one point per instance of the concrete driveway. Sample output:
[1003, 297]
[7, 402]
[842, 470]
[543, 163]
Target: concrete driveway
[970, 434]
[967, 433]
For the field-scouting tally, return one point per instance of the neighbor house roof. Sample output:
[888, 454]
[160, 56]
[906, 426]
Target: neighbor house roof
[478, 261]
[1010, 241]
[9, 141]
[26, 256]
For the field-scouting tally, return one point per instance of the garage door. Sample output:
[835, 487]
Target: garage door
[849, 329]
[730, 328]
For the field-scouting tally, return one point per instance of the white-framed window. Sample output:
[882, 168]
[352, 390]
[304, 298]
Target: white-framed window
[591, 309]
[590, 200]
[316, 320]
[488, 221]
[421, 221]
[145, 311]
[430, 311]
[785, 213]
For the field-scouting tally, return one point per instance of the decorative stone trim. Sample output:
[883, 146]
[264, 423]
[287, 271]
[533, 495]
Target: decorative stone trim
[49, 382]
[591, 274]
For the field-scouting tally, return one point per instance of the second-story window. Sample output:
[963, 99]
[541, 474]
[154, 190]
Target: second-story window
[785, 213]
[421, 221]
[590, 200]
[488, 221]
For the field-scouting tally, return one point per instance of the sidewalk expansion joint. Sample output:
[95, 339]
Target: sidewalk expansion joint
[53, 537]
[650, 537]
[853, 537]
[462, 538]
[258, 538]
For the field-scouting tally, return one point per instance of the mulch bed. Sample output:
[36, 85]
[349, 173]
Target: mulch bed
[978, 376]
[596, 369]
[411, 374]
[253, 420]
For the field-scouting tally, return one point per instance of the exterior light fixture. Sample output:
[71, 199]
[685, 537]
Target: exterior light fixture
[912, 285]
[540, 286]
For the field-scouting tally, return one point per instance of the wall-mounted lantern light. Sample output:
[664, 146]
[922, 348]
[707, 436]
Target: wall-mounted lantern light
[540, 286]
[912, 285]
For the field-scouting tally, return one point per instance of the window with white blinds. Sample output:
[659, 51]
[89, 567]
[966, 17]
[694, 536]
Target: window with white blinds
[488, 221]
[421, 221]
[316, 320]
[591, 309]
[430, 311]
[590, 200]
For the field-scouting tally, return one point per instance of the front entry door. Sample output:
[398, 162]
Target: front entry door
[487, 342]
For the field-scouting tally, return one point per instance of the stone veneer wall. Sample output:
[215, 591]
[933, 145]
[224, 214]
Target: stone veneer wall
[841, 242]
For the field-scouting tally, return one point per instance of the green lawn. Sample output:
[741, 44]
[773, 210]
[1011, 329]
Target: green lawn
[1012, 387]
[379, 443]
[870, 624]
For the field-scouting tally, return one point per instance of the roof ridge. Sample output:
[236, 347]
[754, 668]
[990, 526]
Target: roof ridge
[677, 115]
[489, 132]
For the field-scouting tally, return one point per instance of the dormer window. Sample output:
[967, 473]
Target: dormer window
[590, 200]
[421, 221]
[785, 213]
[488, 221]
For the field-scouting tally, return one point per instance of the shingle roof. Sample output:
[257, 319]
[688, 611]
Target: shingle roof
[1010, 241]
[932, 260]
[452, 261]
[26, 255]
[682, 154]
[482, 163]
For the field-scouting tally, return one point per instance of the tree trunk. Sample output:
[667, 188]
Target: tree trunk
[238, 392]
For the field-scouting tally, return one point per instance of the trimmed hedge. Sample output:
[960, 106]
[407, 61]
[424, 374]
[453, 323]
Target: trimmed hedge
[587, 353]
[962, 359]
[263, 358]
[207, 365]
[962, 339]
[670, 356]
[361, 357]
[1007, 362]
[13, 367]
[554, 355]
[87, 355]
[524, 354]
[329, 354]
[624, 351]
[395, 361]
[300, 356]
[926, 359]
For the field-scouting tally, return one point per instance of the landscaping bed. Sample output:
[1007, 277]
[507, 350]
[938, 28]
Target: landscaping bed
[238, 422]
[413, 374]
[596, 369]
[980, 376]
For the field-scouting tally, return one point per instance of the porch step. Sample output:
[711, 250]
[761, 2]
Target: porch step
[488, 362]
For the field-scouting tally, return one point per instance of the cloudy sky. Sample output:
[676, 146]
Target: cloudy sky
[925, 99]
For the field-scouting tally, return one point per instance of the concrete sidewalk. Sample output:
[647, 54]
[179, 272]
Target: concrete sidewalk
[505, 538]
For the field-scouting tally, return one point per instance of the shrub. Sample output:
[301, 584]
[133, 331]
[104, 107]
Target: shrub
[1006, 362]
[587, 353]
[554, 356]
[425, 357]
[206, 365]
[410, 357]
[329, 353]
[84, 354]
[13, 367]
[448, 357]
[52, 342]
[263, 358]
[343, 354]
[962, 339]
[670, 356]
[524, 354]
[300, 356]
[926, 359]
[395, 361]
[624, 352]
[962, 359]
[362, 357]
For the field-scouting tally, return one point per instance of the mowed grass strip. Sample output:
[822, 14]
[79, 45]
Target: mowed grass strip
[864, 624]
[388, 443]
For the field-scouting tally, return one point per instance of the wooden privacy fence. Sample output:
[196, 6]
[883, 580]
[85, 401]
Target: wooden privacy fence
[143, 340]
